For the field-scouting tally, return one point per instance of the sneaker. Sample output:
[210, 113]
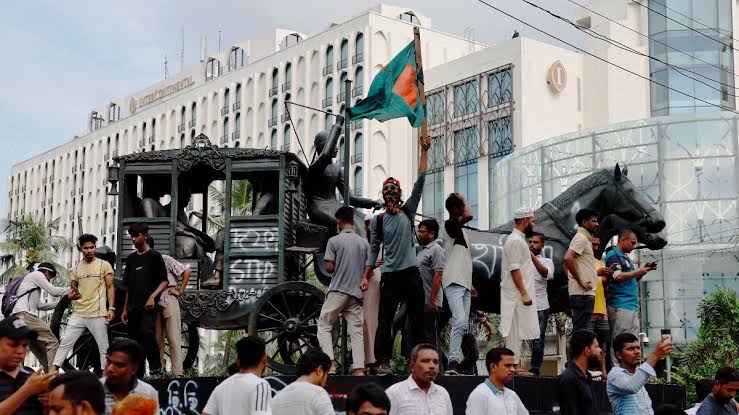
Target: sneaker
[383, 369]
[452, 369]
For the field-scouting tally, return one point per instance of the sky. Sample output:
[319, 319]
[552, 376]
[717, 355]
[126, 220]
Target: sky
[64, 58]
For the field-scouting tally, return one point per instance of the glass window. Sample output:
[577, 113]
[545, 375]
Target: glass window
[236, 58]
[500, 137]
[274, 109]
[344, 50]
[358, 182]
[290, 40]
[340, 155]
[329, 55]
[500, 88]
[409, 17]
[237, 123]
[465, 167]
[286, 138]
[212, 69]
[288, 73]
[433, 191]
[273, 140]
[359, 44]
[225, 130]
[465, 98]
[358, 148]
[435, 107]
[359, 77]
[275, 75]
[329, 88]
[226, 97]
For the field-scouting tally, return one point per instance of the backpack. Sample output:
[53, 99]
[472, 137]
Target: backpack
[10, 298]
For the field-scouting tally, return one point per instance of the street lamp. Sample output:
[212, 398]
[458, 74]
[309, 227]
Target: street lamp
[113, 178]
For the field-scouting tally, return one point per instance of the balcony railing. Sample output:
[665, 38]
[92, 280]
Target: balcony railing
[236, 106]
[327, 102]
[191, 123]
[286, 147]
[285, 117]
[273, 91]
[236, 135]
[272, 121]
[359, 57]
[181, 127]
[328, 69]
[286, 86]
[356, 158]
[340, 97]
[357, 91]
[342, 64]
[224, 110]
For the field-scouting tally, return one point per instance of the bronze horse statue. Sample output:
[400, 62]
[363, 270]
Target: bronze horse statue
[608, 192]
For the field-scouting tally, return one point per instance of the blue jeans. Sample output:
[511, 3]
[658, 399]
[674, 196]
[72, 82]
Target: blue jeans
[582, 311]
[459, 299]
[537, 354]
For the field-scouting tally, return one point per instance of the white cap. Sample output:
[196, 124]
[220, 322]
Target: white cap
[523, 213]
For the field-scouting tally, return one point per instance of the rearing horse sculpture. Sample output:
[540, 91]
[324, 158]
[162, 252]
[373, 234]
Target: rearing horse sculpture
[608, 192]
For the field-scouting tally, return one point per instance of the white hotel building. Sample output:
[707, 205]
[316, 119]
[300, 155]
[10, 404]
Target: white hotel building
[513, 125]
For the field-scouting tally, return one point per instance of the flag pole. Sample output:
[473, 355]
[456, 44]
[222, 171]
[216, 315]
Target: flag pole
[419, 68]
[347, 131]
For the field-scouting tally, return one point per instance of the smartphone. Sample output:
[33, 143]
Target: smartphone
[666, 334]
[613, 267]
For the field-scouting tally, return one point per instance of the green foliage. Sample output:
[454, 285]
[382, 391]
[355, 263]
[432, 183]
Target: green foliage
[29, 240]
[718, 340]
[224, 353]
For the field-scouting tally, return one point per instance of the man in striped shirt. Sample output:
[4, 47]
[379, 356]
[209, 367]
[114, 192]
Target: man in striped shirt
[245, 392]
[625, 384]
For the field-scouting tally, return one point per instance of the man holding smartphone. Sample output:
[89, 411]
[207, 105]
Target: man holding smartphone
[623, 289]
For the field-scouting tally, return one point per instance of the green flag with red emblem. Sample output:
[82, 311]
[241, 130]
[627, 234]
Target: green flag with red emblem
[395, 92]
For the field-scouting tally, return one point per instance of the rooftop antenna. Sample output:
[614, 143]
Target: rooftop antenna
[182, 51]
[203, 40]
[166, 69]
[219, 40]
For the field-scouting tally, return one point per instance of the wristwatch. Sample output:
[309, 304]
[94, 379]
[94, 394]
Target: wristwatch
[111, 308]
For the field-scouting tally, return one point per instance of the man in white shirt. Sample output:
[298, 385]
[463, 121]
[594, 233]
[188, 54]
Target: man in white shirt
[491, 396]
[543, 273]
[518, 318]
[29, 304]
[307, 396]
[246, 392]
[419, 395]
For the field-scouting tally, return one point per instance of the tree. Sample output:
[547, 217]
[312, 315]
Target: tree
[29, 240]
[241, 197]
[718, 339]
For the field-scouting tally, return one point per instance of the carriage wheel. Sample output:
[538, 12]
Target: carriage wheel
[286, 317]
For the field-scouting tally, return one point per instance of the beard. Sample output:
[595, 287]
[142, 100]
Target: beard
[529, 231]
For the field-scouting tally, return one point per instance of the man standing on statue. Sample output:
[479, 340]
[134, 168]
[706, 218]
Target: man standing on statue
[579, 261]
[518, 318]
[401, 280]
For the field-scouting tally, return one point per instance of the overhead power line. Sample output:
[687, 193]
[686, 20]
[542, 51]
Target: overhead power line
[651, 38]
[604, 59]
[628, 48]
[683, 25]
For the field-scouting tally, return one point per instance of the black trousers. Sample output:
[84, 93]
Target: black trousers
[404, 285]
[141, 327]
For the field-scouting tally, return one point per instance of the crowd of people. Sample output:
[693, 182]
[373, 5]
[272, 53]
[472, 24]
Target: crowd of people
[371, 278]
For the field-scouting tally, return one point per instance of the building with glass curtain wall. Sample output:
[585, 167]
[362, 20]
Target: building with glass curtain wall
[692, 39]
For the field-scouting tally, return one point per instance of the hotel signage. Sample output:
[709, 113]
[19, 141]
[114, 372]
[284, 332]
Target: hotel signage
[159, 93]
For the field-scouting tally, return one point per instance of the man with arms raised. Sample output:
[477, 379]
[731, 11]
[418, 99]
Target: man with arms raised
[625, 384]
[93, 278]
[518, 318]
[401, 281]
[419, 395]
[246, 392]
[575, 391]
[306, 396]
[491, 396]
[19, 385]
[122, 362]
[76, 393]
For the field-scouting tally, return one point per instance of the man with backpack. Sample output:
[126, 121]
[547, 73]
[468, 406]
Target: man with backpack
[401, 280]
[24, 296]
[93, 277]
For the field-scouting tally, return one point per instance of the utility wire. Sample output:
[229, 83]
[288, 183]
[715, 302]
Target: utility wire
[627, 48]
[300, 143]
[691, 19]
[651, 38]
[603, 59]
[683, 25]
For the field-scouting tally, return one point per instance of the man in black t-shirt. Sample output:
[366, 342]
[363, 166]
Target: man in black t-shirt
[145, 278]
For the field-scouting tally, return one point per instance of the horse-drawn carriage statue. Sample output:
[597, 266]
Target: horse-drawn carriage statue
[251, 272]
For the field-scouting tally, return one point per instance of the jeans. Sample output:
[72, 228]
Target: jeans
[75, 328]
[142, 328]
[404, 285]
[458, 298]
[582, 311]
[537, 352]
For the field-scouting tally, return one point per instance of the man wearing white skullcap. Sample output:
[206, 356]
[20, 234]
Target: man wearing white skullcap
[518, 318]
